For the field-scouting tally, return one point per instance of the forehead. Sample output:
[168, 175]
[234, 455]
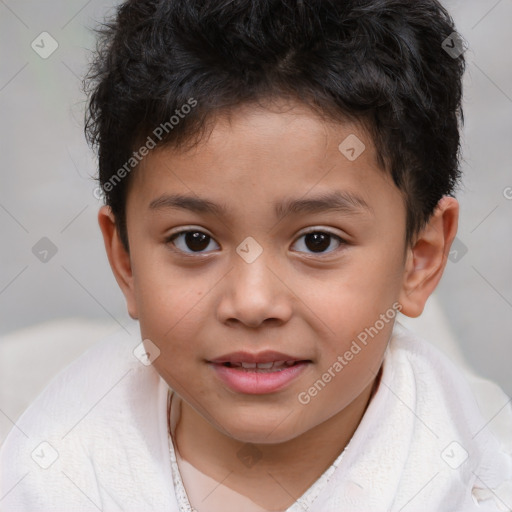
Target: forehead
[279, 157]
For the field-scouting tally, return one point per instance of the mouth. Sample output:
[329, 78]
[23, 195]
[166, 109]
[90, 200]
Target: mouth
[264, 360]
[262, 373]
[272, 366]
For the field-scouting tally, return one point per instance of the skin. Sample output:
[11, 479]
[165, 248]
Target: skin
[196, 306]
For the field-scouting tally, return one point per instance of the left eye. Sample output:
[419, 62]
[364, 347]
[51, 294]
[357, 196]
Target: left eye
[318, 241]
[194, 240]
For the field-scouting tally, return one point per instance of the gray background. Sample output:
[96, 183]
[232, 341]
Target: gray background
[46, 185]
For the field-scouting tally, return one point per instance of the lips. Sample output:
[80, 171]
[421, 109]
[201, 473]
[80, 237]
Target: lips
[258, 373]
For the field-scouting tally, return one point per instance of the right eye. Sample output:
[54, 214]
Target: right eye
[192, 239]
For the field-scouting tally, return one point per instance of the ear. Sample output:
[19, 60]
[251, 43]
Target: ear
[426, 259]
[118, 258]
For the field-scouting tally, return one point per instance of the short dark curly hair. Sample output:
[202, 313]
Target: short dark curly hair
[379, 62]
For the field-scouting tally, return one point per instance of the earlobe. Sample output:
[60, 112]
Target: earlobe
[118, 258]
[426, 259]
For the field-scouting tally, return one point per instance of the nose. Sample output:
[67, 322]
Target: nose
[255, 294]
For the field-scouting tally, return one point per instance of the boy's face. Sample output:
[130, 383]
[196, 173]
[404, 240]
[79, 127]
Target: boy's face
[251, 281]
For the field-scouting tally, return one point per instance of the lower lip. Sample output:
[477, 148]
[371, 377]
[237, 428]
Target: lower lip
[257, 383]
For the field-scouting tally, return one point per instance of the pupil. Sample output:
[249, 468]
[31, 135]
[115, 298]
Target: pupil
[320, 241]
[196, 241]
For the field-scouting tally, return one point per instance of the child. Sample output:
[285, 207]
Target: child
[235, 140]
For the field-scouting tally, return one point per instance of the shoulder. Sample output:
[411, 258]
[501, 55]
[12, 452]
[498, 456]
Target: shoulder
[445, 382]
[98, 407]
[85, 378]
[434, 369]
[466, 419]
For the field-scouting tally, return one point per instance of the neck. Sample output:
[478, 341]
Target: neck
[293, 465]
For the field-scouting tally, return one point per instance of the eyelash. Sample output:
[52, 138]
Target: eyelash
[170, 240]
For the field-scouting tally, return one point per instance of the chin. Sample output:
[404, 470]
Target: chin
[262, 429]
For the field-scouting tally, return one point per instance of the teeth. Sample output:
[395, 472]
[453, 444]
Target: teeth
[263, 366]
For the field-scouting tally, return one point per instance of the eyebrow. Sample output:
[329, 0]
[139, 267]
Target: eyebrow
[343, 202]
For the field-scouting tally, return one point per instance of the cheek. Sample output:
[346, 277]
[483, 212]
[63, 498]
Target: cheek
[354, 296]
[163, 290]
[357, 308]
[170, 302]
